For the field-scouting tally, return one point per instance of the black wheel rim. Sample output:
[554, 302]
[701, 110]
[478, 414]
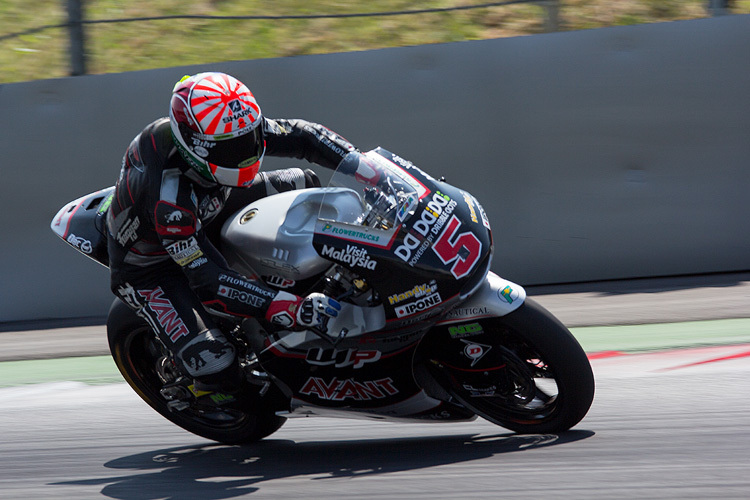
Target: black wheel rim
[515, 385]
[141, 356]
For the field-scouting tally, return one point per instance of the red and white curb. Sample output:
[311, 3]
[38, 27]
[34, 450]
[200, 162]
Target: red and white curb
[714, 357]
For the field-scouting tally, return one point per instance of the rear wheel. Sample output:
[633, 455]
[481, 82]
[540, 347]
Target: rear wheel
[148, 369]
[524, 371]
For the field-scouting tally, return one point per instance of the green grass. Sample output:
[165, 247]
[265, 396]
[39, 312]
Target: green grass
[661, 336]
[89, 370]
[145, 45]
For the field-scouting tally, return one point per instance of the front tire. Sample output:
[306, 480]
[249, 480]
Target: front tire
[528, 373]
[141, 360]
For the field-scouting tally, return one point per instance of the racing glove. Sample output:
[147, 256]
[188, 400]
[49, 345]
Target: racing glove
[294, 312]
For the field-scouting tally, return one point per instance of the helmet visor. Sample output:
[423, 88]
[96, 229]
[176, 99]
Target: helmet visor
[238, 151]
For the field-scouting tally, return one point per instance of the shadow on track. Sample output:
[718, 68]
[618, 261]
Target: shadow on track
[213, 471]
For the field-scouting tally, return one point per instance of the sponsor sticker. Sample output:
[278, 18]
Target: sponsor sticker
[279, 281]
[82, 244]
[416, 292]
[198, 263]
[508, 294]
[341, 390]
[174, 216]
[475, 351]
[128, 231]
[407, 207]
[470, 204]
[283, 319]
[467, 312]
[279, 266]
[242, 296]
[209, 207]
[185, 251]
[247, 285]
[356, 358]
[105, 204]
[483, 215]
[165, 312]
[360, 234]
[480, 392]
[459, 331]
[352, 255]
[418, 305]
[172, 220]
[428, 226]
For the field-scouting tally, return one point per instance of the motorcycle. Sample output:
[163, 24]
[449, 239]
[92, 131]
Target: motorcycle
[426, 331]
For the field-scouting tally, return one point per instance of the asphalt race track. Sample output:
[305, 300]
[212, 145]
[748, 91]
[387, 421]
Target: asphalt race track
[669, 424]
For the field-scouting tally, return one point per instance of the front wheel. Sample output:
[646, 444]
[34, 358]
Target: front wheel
[146, 366]
[524, 371]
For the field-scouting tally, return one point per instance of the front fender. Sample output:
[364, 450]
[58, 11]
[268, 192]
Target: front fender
[495, 297]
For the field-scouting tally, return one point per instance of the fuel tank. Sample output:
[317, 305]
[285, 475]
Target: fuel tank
[273, 236]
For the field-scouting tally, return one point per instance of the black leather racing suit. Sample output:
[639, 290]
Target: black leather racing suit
[163, 263]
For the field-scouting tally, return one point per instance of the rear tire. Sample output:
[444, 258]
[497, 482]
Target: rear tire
[137, 353]
[532, 376]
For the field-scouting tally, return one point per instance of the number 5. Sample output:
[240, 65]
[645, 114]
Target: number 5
[448, 252]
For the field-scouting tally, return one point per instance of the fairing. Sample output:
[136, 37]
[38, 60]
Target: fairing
[82, 224]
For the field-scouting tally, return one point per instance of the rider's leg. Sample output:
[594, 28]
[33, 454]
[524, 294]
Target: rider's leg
[200, 350]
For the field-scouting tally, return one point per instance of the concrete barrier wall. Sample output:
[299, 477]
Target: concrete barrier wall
[602, 154]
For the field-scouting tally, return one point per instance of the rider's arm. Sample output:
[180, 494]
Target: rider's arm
[209, 276]
[305, 140]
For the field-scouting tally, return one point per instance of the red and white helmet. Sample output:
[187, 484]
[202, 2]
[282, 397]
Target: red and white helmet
[218, 128]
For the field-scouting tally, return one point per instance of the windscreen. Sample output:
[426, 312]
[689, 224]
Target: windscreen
[386, 195]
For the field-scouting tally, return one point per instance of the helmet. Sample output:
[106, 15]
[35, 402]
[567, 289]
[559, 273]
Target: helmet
[218, 128]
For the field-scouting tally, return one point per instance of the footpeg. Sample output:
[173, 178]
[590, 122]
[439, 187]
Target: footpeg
[177, 405]
[177, 395]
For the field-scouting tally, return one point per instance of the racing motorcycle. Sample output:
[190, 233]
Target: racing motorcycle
[426, 331]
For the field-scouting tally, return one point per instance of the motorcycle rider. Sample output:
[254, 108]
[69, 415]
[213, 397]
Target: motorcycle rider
[181, 178]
